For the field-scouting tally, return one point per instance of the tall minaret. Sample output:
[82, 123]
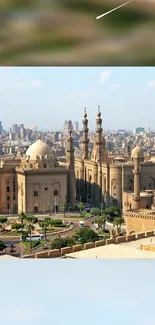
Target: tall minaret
[85, 139]
[137, 156]
[136, 173]
[70, 151]
[99, 139]
[71, 188]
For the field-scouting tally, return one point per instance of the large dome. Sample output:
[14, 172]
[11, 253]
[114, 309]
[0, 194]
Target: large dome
[137, 152]
[41, 150]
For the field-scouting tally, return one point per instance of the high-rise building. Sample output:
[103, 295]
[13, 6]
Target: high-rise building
[75, 126]
[66, 128]
[15, 128]
[1, 128]
[139, 130]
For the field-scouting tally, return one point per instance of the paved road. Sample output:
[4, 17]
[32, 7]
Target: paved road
[50, 237]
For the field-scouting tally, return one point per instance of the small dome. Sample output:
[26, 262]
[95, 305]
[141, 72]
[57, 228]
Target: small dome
[40, 149]
[137, 152]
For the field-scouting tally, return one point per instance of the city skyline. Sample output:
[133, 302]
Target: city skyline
[46, 97]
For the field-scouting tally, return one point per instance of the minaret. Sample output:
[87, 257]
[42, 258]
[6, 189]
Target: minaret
[71, 191]
[136, 172]
[70, 151]
[85, 139]
[137, 157]
[99, 139]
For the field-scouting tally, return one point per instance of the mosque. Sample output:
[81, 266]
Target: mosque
[38, 183]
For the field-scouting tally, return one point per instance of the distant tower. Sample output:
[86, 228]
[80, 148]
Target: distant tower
[71, 174]
[137, 157]
[85, 139]
[99, 138]
[99, 152]
[70, 151]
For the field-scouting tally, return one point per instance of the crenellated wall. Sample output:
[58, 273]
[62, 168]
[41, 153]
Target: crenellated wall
[58, 253]
[140, 221]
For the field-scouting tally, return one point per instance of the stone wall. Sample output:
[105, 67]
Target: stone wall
[140, 221]
[58, 253]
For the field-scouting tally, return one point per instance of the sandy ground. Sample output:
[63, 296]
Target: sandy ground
[127, 250]
[67, 32]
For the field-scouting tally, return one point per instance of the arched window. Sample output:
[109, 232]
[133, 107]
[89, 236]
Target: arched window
[35, 193]
[55, 192]
[130, 186]
[44, 166]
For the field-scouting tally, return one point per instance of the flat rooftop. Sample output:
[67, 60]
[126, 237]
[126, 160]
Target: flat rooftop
[125, 250]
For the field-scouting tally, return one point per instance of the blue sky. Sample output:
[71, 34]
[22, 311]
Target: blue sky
[46, 96]
[68, 292]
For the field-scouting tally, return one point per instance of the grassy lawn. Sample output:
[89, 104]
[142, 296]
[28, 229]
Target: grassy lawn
[35, 244]
[72, 217]
[103, 233]
[13, 233]
[50, 230]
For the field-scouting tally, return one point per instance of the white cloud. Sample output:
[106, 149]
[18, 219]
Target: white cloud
[104, 76]
[13, 83]
[151, 83]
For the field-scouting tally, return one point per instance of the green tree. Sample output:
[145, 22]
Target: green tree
[16, 226]
[64, 207]
[2, 245]
[32, 219]
[60, 242]
[3, 219]
[85, 235]
[22, 218]
[118, 221]
[112, 212]
[81, 207]
[45, 225]
[101, 221]
[30, 228]
[96, 212]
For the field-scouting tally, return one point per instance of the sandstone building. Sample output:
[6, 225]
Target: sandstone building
[101, 180]
[36, 183]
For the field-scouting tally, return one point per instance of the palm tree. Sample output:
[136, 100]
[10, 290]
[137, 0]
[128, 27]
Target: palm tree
[81, 207]
[22, 218]
[45, 224]
[118, 222]
[30, 228]
[101, 222]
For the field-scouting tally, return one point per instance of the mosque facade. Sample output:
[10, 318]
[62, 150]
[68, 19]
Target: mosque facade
[102, 181]
[38, 183]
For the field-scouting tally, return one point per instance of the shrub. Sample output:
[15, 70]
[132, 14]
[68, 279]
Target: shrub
[16, 226]
[62, 242]
[56, 222]
[2, 245]
[3, 219]
[32, 219]
[85, 235]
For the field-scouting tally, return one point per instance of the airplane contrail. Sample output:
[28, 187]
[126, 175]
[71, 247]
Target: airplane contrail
[114, 9]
